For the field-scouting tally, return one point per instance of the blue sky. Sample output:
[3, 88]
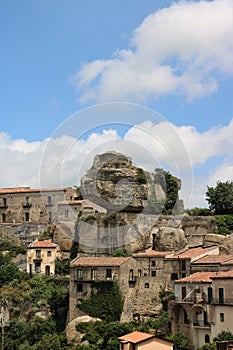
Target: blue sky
[173, 57]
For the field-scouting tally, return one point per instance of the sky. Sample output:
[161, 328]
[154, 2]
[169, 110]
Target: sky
[151, 79]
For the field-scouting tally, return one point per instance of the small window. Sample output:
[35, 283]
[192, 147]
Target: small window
[66, 213]
[79, 287]
[183, 275]
[37, 267]
[131, 275]
[174, 276]
[153, 273]
[147, 285]
[50, 215]
[41, 214]
[3, 217]
[221, 317]
[4, 202]
[221, 295]
[27, 216]
[207, 338]
[79, 274]
[183, 265]
[139, 273]
[27, 200]
[153, 263]
[49, 198]
[38, 253]
[93, 274]
[49, 253]
[109, 273]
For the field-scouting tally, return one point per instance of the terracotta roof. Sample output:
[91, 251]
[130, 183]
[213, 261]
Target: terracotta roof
[28, 190]
[136, 337]
[201, 277]
[99, 261]
[226, 274]
[214, 259]
[43, 244]
[151, 254]
[229, 262]
[191, 253]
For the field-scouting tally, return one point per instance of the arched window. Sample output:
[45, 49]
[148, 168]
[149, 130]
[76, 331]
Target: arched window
[207, 338]
[147, 285]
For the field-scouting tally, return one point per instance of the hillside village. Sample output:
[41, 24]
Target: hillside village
[118, 231]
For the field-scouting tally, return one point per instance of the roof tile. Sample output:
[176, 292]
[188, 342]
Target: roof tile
[99, 261]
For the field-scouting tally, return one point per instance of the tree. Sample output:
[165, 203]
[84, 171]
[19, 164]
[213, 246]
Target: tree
[220, 197]
[180, 341]
[208, 346]
[224, 335]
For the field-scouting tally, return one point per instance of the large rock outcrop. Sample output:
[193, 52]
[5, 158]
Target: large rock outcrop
[117, 185]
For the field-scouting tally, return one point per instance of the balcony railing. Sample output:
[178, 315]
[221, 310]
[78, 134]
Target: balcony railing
[201, 323]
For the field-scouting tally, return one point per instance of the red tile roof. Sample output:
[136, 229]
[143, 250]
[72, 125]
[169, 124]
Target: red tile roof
[136, 337]
[43, 244]
[226, 274]
[151, 254]
[201, 277]
[191, 253]
[14, 190]
[99, 261]
[214, 259]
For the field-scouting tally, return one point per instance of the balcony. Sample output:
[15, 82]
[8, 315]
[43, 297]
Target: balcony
[201, 323]
[27, 205]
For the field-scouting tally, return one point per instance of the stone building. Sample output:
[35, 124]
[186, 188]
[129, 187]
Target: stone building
[221, 262]
[85, 270]
[143, 341]
[203, 306]
[25, 204]
[41, 257]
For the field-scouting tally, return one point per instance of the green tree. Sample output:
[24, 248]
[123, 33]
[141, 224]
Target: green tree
[220, 197]
[8, 270]
[106, 301]
[180, 341]
[120, 252]
[224, 335]
[49, 342]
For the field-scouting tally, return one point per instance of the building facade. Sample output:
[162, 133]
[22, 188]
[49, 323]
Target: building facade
[203, 306]
[42, 256]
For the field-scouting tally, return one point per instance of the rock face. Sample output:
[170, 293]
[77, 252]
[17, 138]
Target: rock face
[117, 185]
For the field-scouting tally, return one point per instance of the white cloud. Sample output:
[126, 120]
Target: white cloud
[182, 49]
[180, 150]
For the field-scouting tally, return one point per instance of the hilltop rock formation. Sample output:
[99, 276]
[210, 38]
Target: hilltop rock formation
[117, 185]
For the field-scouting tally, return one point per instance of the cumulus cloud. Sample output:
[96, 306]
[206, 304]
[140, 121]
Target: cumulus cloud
[182, 49]
[199, 159]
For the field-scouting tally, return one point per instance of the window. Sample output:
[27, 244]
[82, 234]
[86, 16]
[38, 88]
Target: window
[3, 217]
[50, 215]
[153, 273]
[221, 317]
[183, 292]
[93, 274]
[80, 274]
[221, 295]
[153, 263]
[27, 217]
[147, 285]
[38, 253]
[66, 213]
[174, 276]
[109, 273]
[210, 294]
[41, 214]
[4, 202]
[79, 287]
[183, 265]
[207, 338]
[49, 253]
[183, 274]
[49, 199]
[131, 275]
[47, 270]
[37, 267]
[27, 200]
[139, 273]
